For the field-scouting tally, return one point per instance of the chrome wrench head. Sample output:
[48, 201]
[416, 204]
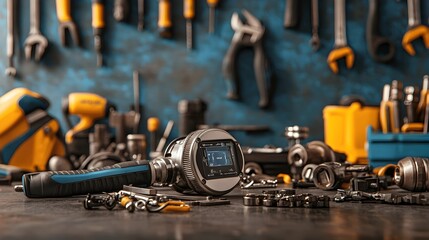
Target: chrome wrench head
[37, 42]
[35, 39]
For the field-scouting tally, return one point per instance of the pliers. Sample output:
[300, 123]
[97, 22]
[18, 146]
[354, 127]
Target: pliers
[247, 35]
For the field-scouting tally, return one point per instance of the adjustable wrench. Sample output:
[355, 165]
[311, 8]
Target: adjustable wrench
[35, 38]
[315, 41]
[10, 41]
[415, 28]
[341, 49]
[374, 41]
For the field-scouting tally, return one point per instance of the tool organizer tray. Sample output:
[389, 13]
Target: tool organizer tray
[385, 148]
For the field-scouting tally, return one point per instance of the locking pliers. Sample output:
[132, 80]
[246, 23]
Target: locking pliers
[247, 34]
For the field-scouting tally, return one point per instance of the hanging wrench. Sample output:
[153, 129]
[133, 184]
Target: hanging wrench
[291, 14]
[10, 41]
[315, 41]
[341, 49]
[35, 39]
[374, 41]
[415, 28]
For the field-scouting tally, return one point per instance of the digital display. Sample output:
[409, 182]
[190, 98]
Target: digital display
[218, 159]
[219, 156]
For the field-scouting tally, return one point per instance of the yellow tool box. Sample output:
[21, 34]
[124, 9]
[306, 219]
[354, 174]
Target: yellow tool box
[346, 129]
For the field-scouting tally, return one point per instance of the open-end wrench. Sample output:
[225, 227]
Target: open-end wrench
[375, 42]
[315, 41]
[66, 22]
[415, 28]
[341, 49]
[10, 41]
[35, 39]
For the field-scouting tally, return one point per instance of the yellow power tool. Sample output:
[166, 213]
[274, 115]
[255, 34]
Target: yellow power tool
[89, 107]
[29, 136]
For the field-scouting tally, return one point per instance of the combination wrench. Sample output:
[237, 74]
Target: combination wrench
[35, 39]
[380, 48]
[10, 39]
[341, 49]
[415, 28]
[315, 41]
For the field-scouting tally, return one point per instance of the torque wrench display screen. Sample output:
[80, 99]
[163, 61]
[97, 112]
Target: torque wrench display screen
[218, 156]
[219, 159]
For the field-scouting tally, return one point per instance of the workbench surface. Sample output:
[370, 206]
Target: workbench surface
[65, 218]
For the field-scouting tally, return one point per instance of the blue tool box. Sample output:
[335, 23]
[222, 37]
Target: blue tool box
[385, 148]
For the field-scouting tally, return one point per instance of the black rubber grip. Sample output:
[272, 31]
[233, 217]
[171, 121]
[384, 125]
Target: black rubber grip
[79, 182]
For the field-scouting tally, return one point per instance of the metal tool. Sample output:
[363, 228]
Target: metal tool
[140, 12]
[212, 11]
[412, 174]
[207, 162]
[315, 41]
[10, 39]
[97, 27]
[421, 107]
[391, 198]
[314, 152]
[332, 175]
[153, 126]
[189, 14]
[395, 99]
[411, 101]
[191, 115]
[341, 49]
[286, 198]
[66, 22]
[161, 144]
[415, 28]
[380, 48]
[164, 19]
[243, 128]
[247, 35]
[385, 109]
[35, 40]
[291, 14]
[121, 10]
[295, 134]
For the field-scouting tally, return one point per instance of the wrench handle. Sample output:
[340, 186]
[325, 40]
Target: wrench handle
[414, 17]
[34, 15]
[291, 14]
[79, 182]
[228, 69]
[315, 15]
[63, 10]
[121, 10]
[340, 23]
[373, 39]
[10, 45]
[262, 75]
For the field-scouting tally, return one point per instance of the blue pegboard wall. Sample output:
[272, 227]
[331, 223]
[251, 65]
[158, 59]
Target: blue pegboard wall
[303, 82]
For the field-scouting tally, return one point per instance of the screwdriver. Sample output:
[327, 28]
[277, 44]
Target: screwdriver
[212, 7]
[152, 127]
[164, 19]
[97, 26]
[189, 14]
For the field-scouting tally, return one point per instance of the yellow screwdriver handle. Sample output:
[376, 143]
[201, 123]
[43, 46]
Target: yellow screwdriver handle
[97, 14]
[189, 9]
[164, 20]
[63, 10]
[153, 124]
[212, 3]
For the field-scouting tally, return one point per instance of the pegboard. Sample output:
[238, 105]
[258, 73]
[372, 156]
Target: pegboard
[303, 82]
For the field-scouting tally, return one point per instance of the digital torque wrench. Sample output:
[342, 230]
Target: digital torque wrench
[206, 162]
